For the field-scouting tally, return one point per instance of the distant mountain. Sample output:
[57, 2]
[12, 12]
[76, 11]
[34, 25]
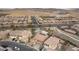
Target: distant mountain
[50, 10]
[41, 9]
[74, 9]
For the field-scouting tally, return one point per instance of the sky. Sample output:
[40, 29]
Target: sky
[63, 4]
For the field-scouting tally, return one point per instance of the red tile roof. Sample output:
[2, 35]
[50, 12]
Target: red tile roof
[52, 41]
[40, 37]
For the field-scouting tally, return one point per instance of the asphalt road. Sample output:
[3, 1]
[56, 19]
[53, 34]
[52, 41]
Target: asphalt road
[15, 45]
[67, 37]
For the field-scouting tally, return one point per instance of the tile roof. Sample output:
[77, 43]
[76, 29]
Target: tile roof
[52, 42]
[40, 37]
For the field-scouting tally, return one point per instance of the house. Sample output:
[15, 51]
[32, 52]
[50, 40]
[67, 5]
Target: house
[38, 40]
[21, 35]
[51, 43]
[39, 37]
